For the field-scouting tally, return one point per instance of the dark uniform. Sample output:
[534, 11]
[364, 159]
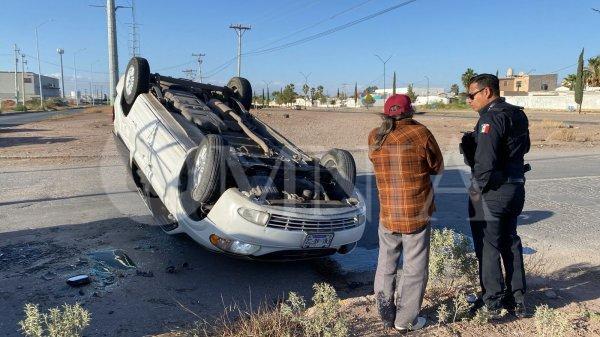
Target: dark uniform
[495, 151]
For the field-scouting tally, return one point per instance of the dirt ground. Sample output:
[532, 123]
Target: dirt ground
[81, 141]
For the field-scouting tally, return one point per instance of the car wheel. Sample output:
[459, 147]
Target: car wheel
[340, 164]
[207, 172]
[242, 89]
[137, 79]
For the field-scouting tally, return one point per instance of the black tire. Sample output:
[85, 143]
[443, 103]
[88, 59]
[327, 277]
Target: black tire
[208, 170]
[342, 167]
[242, 90]
[137, 79]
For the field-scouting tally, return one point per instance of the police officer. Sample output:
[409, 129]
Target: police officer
[495, 151]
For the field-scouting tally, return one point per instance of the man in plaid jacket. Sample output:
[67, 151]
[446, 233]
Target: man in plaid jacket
[404, 154]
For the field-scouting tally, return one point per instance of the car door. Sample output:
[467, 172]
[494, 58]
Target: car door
[142, 130]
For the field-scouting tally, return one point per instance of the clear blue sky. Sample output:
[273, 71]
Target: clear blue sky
[434, 38]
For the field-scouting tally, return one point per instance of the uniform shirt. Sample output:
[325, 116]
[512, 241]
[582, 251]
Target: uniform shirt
[502, 136]
[408, 155]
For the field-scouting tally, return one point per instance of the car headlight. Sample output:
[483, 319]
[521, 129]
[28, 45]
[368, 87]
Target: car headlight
[360, 219]
[257, 217]
[233, 246]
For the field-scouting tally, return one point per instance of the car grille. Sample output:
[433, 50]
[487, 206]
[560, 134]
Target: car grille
[309, 225]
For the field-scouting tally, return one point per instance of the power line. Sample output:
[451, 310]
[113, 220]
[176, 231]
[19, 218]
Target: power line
[334, 29]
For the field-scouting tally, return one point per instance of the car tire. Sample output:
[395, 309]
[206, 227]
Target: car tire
[242, 89]
[342, 167]
[137, 79]
[208, 170]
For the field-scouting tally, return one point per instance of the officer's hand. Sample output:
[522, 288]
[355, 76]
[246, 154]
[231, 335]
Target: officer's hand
[474, 194]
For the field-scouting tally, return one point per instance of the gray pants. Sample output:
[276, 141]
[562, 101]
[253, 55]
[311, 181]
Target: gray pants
[399, 294]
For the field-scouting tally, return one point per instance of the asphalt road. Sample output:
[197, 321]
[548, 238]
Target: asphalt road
[19, 118]
[54, 216]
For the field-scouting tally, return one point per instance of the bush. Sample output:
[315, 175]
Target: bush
[68, 322]
[453, 105]
[288, 319]
[550, 322]
[451, 259]
[20, 107]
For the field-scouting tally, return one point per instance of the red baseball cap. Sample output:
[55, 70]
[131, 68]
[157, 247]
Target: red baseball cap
[397, 105]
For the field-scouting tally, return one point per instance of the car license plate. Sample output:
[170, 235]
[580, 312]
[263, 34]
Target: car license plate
[317, 241]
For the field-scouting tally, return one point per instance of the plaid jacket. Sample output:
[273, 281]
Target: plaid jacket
[402, 166]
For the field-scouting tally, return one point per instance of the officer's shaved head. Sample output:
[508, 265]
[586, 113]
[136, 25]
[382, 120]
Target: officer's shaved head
[487, 81]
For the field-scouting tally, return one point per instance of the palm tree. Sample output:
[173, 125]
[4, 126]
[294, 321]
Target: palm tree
[569, 81]
[466, 77]
[593, 72]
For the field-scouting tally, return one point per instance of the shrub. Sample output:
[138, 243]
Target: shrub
[20, 107]
[291, 318]
[451, 259]
[550, 322]
[68, 322]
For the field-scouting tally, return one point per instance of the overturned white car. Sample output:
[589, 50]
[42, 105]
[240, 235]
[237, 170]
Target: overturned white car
[208, 168]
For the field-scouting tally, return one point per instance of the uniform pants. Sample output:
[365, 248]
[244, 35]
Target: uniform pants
[493, 220]
[399, 293]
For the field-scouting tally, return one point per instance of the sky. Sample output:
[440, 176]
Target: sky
[435, 39]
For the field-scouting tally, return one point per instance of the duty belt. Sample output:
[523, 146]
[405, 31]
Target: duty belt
[510, 180]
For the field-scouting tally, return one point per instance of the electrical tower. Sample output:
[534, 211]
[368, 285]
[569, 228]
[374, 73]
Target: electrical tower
[135, 37]
[240, 30]
[199, 57]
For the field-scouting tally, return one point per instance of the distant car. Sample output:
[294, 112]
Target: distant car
[297, 107]
[206, 167]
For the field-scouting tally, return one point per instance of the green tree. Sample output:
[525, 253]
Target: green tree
[320, 95]
[369, 100]
[394, 84]
[289, 94]
[355, 92]
[305, 90]
[454, 89]
[569, 81]
[410, 93]
[466, 77]
[313, 92]
[579, 83]
[370, 89]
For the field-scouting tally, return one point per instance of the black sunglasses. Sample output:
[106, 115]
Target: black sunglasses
[472, 96]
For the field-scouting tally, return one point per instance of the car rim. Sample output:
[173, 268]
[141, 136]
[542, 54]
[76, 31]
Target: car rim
[130, 80]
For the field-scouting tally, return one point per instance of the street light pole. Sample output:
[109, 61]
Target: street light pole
[60, 52]
[37, 47]
[384, 62]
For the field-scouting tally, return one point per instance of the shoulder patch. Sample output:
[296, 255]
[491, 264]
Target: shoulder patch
[485, 128]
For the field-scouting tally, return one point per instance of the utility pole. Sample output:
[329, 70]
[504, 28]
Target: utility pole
[113, 58]
[17, 51]
[60, 52]
[384, 62]
[91, 80]
[199, 57]
[23, 63]
[240, 30]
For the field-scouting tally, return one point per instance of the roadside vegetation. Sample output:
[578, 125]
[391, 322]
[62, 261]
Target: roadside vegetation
[70, 321]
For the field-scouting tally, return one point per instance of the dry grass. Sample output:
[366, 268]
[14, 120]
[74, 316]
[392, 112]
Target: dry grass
[68, 322]
[550, 124]
[287, 319]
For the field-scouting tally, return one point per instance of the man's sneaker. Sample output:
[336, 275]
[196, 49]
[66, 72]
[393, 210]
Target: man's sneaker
[417, 326]
[520, 310]
[478, 304]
